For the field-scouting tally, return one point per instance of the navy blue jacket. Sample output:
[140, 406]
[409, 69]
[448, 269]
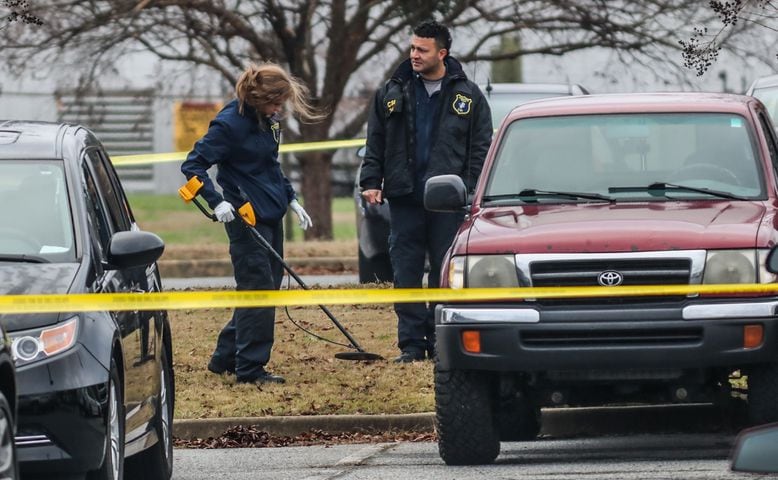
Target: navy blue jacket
[247, 156]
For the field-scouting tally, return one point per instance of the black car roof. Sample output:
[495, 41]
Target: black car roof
[33, 140]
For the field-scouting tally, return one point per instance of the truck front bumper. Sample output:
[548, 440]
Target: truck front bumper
[527, 337]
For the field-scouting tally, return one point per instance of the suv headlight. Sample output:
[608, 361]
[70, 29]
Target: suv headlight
[33, 345]
[736, 266]
[485, 271]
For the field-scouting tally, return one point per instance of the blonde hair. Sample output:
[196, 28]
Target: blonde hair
[266, 83]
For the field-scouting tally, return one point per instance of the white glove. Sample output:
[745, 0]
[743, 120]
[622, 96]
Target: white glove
[302, 217]
[224, 212]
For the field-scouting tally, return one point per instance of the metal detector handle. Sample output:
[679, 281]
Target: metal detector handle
[188, 193]
[208, 214]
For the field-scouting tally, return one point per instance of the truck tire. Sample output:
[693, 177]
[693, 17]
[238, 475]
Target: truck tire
[464, 418]
[763, 394]
[518, 420]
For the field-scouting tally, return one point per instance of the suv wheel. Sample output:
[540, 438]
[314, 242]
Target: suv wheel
[762, 393]
[464, 418]
[8, 465]
[156, 463]
[113, 461]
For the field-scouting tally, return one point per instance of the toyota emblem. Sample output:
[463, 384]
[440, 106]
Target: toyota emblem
[610, 278]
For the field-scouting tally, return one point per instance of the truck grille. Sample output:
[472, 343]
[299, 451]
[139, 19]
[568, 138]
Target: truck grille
[644, 271]
[611, 338]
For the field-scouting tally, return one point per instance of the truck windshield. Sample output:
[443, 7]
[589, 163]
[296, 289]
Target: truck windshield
[35, 220]
[603, 154]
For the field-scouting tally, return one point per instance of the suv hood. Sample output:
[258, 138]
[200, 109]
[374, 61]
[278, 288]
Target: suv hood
[633, 227]
[34, 278]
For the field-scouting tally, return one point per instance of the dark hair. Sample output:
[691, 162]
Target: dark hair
[433, 29]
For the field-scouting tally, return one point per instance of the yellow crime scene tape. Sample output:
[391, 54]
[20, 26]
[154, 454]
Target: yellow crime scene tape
[20, 304]
[123, 160]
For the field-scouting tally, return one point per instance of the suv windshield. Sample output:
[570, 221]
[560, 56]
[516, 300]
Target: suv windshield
[35, 219]
[609, 154]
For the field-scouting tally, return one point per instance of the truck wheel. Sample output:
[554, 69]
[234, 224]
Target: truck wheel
[763, 394]
[518, 420]
[463, 418]
[376, 269]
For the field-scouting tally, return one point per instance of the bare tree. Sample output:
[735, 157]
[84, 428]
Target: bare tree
[733, 18]
[17, 11]
[340, 48]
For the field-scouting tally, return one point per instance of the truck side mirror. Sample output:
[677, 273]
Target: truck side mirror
[445, 193]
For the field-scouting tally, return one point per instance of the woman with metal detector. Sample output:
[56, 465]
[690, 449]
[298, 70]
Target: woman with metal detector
[243, 142]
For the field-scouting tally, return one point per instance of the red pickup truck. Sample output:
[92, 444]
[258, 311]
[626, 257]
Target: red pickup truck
[639, 189]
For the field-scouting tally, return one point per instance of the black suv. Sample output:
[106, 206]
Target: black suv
[94, 387]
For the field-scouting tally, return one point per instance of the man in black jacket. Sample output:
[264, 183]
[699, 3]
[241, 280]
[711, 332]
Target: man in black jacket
[427, 120]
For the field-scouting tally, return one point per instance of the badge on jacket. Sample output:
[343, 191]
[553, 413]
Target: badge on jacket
[462, 104]
[275, 127]
[390, 105]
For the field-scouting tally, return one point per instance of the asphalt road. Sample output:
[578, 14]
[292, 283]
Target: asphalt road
[639, 457]
[665, 442]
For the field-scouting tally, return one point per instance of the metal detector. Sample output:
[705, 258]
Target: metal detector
[189, 193]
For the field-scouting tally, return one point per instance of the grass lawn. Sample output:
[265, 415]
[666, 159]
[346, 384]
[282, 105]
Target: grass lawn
[317, 382]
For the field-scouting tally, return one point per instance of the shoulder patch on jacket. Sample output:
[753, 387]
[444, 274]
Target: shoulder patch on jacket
[462, 104]
[392, 104]
[275, 127]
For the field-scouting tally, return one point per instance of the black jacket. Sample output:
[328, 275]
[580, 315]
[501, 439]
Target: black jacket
[464, 132]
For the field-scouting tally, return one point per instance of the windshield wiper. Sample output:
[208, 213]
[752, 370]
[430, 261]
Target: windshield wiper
[8, 257]
[661, 188]
[529, 192]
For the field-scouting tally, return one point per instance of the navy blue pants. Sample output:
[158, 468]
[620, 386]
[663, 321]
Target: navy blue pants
[245, 342]
[416, 233]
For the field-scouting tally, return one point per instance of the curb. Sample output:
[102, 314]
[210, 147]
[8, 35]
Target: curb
[558, 422]
[290, 426]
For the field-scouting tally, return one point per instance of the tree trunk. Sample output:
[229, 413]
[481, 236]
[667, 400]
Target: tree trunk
[316, 190]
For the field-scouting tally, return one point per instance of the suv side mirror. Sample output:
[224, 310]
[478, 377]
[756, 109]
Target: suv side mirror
[756, 450]
[445, 193]
[134, 249]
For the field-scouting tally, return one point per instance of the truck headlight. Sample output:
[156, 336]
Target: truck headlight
[484, 271]
[730, 266]
[33, 345]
